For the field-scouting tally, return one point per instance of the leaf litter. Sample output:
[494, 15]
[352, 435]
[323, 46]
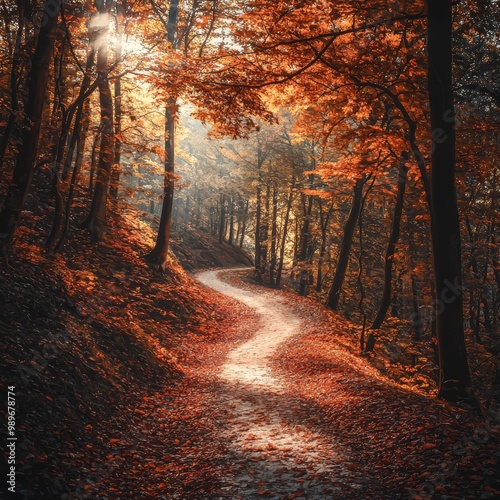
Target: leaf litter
[267, 414]
[253, 404]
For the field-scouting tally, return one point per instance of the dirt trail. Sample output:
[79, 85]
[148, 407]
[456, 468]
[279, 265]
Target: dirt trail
[273, 454]
[278, 407]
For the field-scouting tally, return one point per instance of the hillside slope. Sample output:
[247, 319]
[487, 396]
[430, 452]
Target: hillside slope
[86, 334]
[196, 249]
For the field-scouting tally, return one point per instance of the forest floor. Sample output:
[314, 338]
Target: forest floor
[281, 408]
[131, 385]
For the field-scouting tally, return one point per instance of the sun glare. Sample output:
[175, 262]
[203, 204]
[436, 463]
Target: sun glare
[133, 46]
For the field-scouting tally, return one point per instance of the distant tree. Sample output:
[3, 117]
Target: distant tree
[391, 247]
[345, 248]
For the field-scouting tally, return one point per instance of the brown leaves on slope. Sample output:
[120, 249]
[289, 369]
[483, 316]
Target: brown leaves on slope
[413, 445]
[87, 333]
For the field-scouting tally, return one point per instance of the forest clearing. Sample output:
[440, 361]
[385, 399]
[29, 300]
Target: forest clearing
[249, 249]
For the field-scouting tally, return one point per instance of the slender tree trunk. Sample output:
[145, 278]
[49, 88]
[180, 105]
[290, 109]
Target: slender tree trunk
[345, 248]
[238, 223]
[198, 207]
[80, 147]
[417, 318]
[453, 365]
[264, 232]
[261, 158]
[285, 233]
[296, 243]
[226, 225]
[321, 260]
[322, 251]
[93, 160]
[324, 220]
[391, 248]
[159, 254]
[59, 87]
[187, 210]
[96, 219]
[231, 221]
[14, 82]
[305, 254]
[305, 233]
[56, 178]
[474, 306]
[274, 233]
[258, 217]
[77, 110]
[222, 222]
[359, 278]
[37, 87]
[243, 225]
[115, 170]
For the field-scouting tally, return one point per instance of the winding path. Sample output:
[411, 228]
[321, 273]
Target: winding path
[278, 407]
[273, 454]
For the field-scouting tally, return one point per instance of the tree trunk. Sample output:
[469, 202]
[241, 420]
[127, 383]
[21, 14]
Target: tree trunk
[285, 233]
[56, 178]
[258, 217]
[345, 248]
[305, 233]
[324, 220]
[239, 217]
[74, 143]
[159, 254]
[305, 253]
[231, 221]
[96, 219]
[296, 242]
[93, 160]
[243, 225]
[37, 87]
[264, 232]
[274, 233]
[115, 170]
[14, 82]
[74, 176]
[198, 223]
[391, 248]
[360, 270]
[453, 365]
[222, 222]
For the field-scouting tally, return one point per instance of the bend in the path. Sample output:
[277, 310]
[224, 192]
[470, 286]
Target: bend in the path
[249, 363]
[272, 450]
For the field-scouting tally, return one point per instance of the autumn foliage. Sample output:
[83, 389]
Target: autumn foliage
[347, 151]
